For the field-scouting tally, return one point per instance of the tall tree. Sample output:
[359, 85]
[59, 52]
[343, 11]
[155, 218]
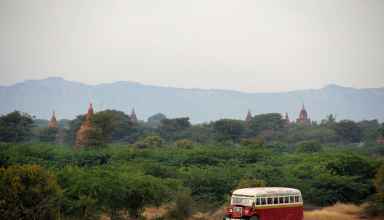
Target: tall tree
[349, 131]
[169, 127]
[229, 129]
[15, 127]
[266, 122]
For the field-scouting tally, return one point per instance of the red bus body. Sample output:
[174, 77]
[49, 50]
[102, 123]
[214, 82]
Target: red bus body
[270, 203]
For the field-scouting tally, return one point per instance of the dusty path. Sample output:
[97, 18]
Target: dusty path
[336, 212]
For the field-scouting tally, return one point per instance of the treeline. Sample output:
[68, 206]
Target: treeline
[113, 126]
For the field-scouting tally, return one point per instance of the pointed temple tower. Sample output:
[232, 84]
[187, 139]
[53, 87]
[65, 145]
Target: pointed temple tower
[303, 117]
[85, 128]
[53, 122]
[248, 118]
[134, 117]
[286, 119]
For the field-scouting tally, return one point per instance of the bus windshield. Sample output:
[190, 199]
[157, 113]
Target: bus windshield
[237, 200]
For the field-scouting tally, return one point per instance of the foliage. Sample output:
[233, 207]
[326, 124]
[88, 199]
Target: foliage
[113, 124]
[183, 207]
[330, 120]
[270, 121]
[376, 203]
[170, 128]
[349, 131]
[248, 182]
[210, 183]
[185, 143]
[155, 120]
[229, 129]
[309, 147]
[28, 192]
[150, 141]
[252, 142]
[370, 129]
[379, 180]
[48, 135]
[97, 188]
[381, 130]
[15, 127]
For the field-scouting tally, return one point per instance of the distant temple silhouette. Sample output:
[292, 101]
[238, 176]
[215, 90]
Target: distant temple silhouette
[134, 117]
[53, 122]
[286, 119]
[248, 118]
[303, 117]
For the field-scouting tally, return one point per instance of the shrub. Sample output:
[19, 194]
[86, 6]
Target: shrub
[183, 207]
[28, 192]
[253, 142]
[309, 147]
[184, 143]
[150, 141]
[250, 182]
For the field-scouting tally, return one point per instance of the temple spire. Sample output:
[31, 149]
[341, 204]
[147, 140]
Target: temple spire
[248, 118]
[286, 117]
[85, 130]
[303, 116]
[90, 112]
[133, 116]
[53, 122]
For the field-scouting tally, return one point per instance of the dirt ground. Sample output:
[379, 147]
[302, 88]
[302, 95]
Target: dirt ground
[337, 212]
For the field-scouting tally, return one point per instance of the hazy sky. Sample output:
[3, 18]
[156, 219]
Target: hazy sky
[248, 45]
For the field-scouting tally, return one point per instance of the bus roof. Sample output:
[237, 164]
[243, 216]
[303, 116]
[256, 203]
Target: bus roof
[266, 191]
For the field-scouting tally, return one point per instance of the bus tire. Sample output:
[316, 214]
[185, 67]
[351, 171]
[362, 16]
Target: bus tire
[254, 218]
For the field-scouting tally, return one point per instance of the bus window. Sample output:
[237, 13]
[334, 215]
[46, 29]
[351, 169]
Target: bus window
[281, 200]
[291, 199]
[258, 201]
[275, 200]
[286, 199]
[296, 199]
[263, 201]
[270, 201]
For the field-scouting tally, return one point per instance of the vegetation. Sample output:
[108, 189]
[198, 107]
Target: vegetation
[28, 192]
[15, 127]
[194, 167]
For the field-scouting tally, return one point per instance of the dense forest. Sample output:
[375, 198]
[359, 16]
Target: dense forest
[126, 165]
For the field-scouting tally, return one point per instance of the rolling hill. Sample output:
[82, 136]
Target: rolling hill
[68, 99]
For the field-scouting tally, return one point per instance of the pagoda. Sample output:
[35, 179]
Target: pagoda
[286, 119]
[248, 118]
[303, 117]
[53, 122]
[82, 134]
[133, 117]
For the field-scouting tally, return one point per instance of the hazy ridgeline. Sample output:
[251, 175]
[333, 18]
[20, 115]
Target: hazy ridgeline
[68, 99]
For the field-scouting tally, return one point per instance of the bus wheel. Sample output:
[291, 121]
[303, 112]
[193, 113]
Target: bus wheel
[254, 218]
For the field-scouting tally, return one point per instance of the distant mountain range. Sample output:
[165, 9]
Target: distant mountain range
[68, 99]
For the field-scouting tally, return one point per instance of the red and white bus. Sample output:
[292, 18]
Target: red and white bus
[265, 203]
